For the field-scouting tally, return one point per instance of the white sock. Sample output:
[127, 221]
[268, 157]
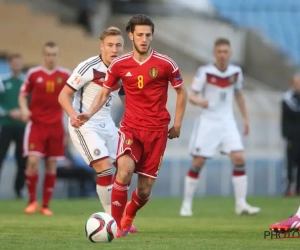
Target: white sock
[240, 185]
[190, 186]
[298, 212]
[104, 194]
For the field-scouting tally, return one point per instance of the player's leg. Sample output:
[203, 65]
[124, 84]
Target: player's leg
[49, 184]
[232, 145]
[90, 144]
[21, 161]
[204, 141]
[191, 183]
[119, 196]
[104, 182]
[129, 154]
[290, 161]
[5, 139]
[54, 150]
[154, 145]
[297, 161]
[291, 224]
[33, 148]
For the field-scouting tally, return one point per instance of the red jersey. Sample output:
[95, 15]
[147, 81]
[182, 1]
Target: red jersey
[146, 88]
[44, 87]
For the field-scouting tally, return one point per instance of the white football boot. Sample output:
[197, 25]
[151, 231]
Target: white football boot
[246, 209]
[186, 210]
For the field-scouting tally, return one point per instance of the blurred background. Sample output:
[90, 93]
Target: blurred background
[265, 41]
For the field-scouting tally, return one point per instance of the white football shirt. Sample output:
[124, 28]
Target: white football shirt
[87, 80]
[218, 88]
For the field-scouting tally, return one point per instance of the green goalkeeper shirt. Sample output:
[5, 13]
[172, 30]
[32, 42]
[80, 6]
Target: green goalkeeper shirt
[9, 93]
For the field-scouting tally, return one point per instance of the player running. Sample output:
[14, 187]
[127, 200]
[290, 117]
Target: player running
[217, 85]
[144, 129]
[97, 140]
[44, 132]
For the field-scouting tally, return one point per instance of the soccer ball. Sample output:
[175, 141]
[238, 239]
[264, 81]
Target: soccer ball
[100, 227]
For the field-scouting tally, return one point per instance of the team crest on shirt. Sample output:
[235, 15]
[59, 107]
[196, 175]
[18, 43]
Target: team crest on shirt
[97, 152]
[59, 79]
[31, 146]
[153, 72]
[129, 142]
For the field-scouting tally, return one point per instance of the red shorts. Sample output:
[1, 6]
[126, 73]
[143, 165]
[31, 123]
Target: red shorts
[44, 140]
[146, 148]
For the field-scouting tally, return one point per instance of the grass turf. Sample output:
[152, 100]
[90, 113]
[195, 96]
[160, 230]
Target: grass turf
[213, 226]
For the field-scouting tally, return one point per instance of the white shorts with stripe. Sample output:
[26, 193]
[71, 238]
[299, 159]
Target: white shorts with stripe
[95, 142]
[212, 133]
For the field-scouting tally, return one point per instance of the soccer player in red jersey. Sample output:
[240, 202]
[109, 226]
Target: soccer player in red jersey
[44, 133]
[144, 129]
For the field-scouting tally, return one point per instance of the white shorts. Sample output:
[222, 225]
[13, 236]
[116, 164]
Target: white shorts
[209, 134]
[95, 142]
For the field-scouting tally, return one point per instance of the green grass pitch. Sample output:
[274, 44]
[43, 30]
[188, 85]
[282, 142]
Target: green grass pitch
[213, 226]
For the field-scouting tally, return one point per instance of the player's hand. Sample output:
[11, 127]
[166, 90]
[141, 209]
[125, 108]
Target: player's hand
[174, 132]
[25, 115]
[246, 127]
[84, 117]
[15, 114]
[203, 103]
[75, 122]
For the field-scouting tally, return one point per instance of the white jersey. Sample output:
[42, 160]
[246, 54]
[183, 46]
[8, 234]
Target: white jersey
[87, 80]
[218, 88]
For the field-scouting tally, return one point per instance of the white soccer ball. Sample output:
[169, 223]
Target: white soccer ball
[100, 227]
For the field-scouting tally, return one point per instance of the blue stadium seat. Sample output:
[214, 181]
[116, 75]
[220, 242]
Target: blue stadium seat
[4, 67]
[277, 19]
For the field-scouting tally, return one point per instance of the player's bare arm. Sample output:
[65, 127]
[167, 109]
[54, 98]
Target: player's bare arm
[239, 97]
[196, 100]
[99, 101]
[23, 103]
[64, 100]
[181, 102]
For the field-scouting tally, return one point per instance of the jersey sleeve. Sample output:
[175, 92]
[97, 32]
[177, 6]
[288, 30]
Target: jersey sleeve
[199, 80]
[27, 85]
[239, 83]
[80, 76]
[173, 73]
[112, 76]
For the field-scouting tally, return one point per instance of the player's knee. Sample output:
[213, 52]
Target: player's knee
[51, 166]
[101, 165]
[123, 176]
[144, 192]
[238, 159]
[198, 162]
[32, 164]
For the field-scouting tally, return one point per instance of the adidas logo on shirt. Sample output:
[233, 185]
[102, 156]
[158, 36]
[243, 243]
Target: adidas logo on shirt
[128, 74]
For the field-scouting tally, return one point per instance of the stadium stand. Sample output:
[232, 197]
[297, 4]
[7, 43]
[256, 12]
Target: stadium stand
[28, 41]
[278, 20]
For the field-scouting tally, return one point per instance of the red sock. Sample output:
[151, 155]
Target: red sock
[31, 181]
[49, 183]
[118, 201]
[239, 170]
[193, 174]
[135, 204]
[104, 180]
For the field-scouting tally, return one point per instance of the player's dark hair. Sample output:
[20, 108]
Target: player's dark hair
[222, 41]
[111, 31]
[14, 56]
[50, 44]
[139, 19]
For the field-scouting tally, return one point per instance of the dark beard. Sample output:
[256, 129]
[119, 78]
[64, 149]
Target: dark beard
[136, 48]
